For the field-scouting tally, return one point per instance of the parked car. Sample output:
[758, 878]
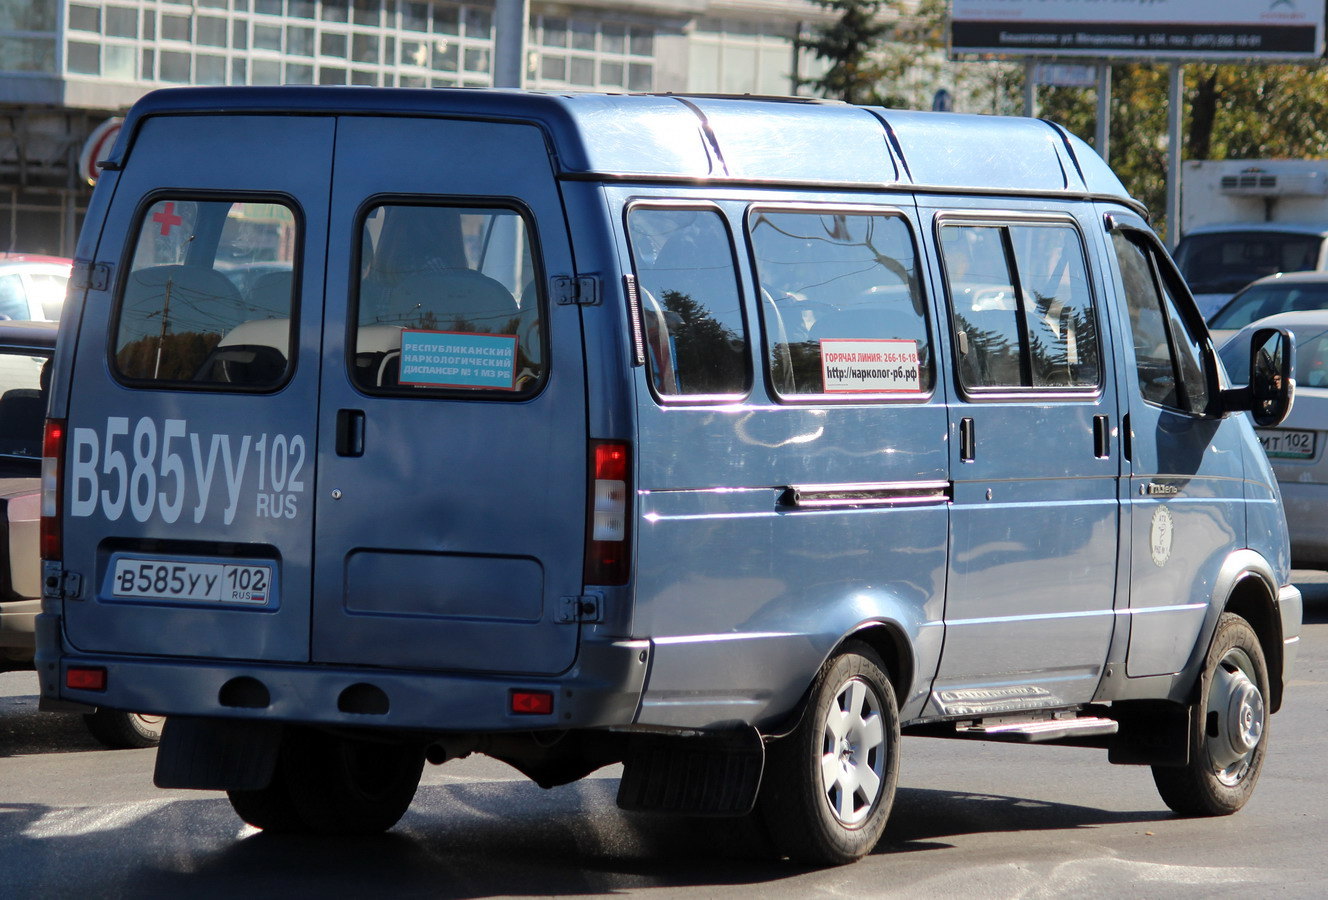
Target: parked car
[1273, 294]
[25, 351]
[32, 287]
[1296, 448]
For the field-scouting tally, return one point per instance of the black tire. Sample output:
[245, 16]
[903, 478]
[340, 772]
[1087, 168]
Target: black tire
[829, 785]
[330, 784]
[124, 730]
[1228, 730]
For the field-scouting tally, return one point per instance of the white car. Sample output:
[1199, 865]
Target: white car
[1270, 295]
[32, 288]
[25, 353]
[1297, 448]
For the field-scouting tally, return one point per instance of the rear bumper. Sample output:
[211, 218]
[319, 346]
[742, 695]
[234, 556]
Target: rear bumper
[602, 689]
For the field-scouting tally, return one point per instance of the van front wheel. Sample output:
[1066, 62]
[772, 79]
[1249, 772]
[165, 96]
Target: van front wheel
[1228, 728]
[828, 786]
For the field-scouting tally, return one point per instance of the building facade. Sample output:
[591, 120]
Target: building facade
[68, 65]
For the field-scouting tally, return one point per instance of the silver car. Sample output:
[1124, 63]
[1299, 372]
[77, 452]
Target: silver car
[1273, 294]
[1296, 448]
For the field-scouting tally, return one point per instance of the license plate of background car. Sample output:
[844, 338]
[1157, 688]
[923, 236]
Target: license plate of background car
[1286, 443]
[171, 579]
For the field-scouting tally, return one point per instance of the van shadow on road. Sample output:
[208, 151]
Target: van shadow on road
[460, 840]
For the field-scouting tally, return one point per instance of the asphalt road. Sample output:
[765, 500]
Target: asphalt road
[971, 820]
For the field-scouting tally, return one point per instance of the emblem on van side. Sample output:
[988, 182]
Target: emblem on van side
[1159, 537]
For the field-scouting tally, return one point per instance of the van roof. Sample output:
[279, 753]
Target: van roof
[713, 139]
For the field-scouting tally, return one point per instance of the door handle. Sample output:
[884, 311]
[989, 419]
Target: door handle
[350, 432]
[1101, 437]
[967, 440]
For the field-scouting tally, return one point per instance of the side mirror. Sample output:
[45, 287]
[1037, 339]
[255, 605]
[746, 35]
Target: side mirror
[1272, 385]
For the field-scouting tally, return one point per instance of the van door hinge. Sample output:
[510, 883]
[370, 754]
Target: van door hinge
[575, 290]
[586, 608]
[87, 274]
[61, 584]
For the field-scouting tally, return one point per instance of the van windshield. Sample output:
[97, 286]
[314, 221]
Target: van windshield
[1226, 262]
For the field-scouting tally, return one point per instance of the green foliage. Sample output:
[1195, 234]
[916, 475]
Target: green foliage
[891, 52]
[1231, 112]
[849, 45]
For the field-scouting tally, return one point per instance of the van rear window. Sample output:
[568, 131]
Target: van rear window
[843, 310]
[448, 302]
[209, 295]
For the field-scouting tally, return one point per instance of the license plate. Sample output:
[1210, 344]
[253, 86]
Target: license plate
[165, 579]
[1285, 443]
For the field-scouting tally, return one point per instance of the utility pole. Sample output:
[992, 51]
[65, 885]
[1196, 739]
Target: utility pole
[510, 18]
[165, 324]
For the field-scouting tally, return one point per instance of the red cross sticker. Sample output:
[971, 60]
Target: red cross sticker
[167, 218]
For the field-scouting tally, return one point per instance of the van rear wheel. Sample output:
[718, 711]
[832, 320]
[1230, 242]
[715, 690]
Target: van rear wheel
[1228, 728]
[828, 786]
[332, 784]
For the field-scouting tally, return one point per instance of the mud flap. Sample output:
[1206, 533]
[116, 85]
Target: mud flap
[709, 775]
[1152, 733]
[217, 754]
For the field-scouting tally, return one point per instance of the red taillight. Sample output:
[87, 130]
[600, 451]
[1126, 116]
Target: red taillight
[53, 454]
[532, 703]
[607, 558]
[85, 678]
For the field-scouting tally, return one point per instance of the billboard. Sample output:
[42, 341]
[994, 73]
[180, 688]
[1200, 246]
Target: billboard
[1140, 29]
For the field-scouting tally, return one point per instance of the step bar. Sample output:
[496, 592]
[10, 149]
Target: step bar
[1038, 730]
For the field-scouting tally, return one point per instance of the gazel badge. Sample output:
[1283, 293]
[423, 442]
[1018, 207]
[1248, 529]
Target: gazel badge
[1159, 536]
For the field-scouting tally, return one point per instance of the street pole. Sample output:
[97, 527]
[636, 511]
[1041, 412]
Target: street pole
[1102, 139]
[1030, 88]
[509, 43]
[1175, 117]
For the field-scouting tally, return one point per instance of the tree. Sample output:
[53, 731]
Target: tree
[850, 45]
[1232, 112]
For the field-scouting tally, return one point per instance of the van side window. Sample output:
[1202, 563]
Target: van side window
[448, 301]
[841, 303]
[1021, 307]
[1168, 355]
[209, 295]
[690, 304]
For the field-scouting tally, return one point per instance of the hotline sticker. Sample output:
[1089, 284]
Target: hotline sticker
[863, 366]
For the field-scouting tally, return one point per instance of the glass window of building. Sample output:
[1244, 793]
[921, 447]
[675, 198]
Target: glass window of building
[584, 54]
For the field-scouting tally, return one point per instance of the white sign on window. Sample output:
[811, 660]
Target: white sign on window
[863, 366]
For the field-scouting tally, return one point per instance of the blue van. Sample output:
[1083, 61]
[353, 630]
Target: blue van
[727, 439]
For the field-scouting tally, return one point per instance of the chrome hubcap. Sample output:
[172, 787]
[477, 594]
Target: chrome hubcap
[853, 752]
[1235, 717]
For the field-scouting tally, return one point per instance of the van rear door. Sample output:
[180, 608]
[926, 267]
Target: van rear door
[196, 389]
[452, 469]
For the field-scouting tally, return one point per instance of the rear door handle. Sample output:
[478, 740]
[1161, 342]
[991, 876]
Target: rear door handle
[1101, 437]
[350, 432]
